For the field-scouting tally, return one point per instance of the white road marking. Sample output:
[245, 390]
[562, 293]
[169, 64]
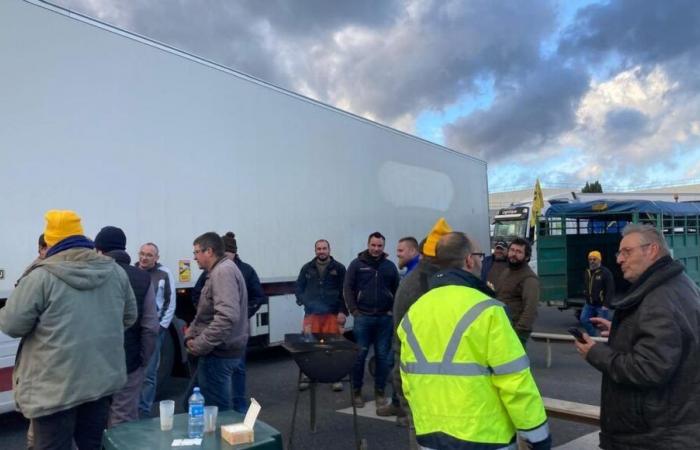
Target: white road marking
[369, 411]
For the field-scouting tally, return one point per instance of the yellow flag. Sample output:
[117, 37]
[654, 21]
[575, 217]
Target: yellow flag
[537, 204]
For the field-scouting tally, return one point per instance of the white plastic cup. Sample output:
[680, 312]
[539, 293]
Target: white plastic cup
[210, 413]
[167, 411]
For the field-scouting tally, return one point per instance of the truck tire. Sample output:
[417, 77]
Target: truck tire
[167, 359]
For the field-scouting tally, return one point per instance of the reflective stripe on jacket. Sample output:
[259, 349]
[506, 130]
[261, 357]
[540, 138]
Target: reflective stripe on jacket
[465, 373]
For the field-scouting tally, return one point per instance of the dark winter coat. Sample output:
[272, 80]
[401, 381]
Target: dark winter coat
[370, 285]
[651, 364]
[256, 296]
[140, 338]
[599, 287]
[412, 287]
[321, 294]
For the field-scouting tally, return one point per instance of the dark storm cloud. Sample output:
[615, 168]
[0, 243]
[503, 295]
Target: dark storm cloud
[431, 61]
[237, 33]
[534, 111]
[643, 32]
[419, 55]
[393, 60]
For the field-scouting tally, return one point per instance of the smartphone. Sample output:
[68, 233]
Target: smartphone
[575, 332]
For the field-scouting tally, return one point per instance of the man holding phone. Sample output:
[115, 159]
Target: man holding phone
[650, 397]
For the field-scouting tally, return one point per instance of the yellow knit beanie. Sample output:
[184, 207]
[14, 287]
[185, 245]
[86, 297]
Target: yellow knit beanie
[440, 229]
[61, 224]
[595, 254]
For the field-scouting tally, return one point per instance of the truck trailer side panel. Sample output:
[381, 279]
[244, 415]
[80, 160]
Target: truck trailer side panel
[130, 133]
[136, 134]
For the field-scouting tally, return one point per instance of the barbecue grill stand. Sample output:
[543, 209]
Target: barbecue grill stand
[313, 353]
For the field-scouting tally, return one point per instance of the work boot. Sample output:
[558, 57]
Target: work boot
[337, 387]
[402, 421]
[388, 410]
[357, 400]
[379, 398]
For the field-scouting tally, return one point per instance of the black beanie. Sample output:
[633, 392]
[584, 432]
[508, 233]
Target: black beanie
[110, 238]
[230, 242]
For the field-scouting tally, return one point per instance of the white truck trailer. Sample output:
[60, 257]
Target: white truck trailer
[166, 145]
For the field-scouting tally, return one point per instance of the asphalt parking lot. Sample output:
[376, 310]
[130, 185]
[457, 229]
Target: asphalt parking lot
[272, 379]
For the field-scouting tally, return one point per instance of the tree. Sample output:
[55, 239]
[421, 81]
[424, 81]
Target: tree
[594, 187]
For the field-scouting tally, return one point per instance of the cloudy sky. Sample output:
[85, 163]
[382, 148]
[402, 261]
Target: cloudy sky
[567, 91]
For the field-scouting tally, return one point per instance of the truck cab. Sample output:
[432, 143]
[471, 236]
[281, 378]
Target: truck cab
[512, 222]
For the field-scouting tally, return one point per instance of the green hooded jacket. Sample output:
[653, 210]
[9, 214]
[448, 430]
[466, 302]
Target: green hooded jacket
[70, 310]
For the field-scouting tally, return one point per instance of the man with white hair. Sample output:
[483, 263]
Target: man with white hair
[650, 397]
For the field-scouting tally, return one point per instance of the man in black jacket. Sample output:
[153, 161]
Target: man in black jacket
[140, 338]
[370, 285]
[598, 291]
[319, 288]
[650, 398]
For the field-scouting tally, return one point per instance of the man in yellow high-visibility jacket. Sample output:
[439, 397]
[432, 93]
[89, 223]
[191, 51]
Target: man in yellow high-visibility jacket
[463, 369]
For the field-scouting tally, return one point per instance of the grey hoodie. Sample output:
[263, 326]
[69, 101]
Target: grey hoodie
[71, 311]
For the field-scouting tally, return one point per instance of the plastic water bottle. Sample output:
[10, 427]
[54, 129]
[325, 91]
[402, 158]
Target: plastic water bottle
[195, 424]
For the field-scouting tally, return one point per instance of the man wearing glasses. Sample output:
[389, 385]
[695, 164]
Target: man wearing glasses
[218, 334]
[519, 288]
[650, 397]
[464, 372]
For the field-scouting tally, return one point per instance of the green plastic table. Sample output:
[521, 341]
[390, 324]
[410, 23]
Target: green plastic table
[146, 434]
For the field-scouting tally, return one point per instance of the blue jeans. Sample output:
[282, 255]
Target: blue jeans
[240, 400]
[592, 311]
[377, 331]
[148, 391]
[214, 375]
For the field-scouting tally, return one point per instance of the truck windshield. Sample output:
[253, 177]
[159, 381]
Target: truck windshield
[509, 229]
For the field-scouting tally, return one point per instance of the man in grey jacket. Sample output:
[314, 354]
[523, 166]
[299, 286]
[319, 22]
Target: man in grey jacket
[218, 335]
[650, 397]
[70, 310]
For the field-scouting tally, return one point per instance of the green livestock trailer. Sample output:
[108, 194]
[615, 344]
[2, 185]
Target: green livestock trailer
[568, 231]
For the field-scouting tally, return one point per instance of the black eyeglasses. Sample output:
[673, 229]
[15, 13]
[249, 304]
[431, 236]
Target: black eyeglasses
[625, 252]
[479, 255]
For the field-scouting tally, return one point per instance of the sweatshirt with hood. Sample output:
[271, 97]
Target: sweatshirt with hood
[70, 311]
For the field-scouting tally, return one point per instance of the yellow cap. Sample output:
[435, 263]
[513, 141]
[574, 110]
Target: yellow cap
[595, 254]
[440, 229]
[61, 224]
